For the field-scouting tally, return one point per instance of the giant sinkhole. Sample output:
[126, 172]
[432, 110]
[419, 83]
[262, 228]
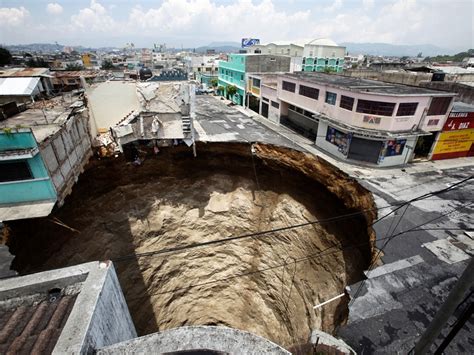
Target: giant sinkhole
[265, 283]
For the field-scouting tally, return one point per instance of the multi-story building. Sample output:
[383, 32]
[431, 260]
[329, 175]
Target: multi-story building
[233, 71]
[23, 85]
[42, 152]
[323, 54]
[356, 119]
[203, 68]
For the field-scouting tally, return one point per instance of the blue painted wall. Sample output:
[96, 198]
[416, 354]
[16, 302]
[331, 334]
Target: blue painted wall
[39, 188]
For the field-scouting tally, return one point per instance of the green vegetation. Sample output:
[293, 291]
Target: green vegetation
[5, 56]
[220, 90]
[74, 67]
[231, 90]
[107, 65]
[36, 63]
[329, 70]
[451, 58]
[214, 82]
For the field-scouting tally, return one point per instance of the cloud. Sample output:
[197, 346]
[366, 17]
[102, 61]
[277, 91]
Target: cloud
[205, 19]
[54, 8]
[93, 18]
[13, 16]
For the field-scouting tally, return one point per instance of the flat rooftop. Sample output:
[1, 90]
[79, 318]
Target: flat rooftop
[462, 107]
[364, 85]
[44, 117]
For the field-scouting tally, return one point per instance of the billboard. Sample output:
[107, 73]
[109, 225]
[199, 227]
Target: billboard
[248, 42]
[457, 138]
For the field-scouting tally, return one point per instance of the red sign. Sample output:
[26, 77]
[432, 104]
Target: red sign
[458, 123]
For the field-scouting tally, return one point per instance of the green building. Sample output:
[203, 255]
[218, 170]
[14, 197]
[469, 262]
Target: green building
[233, 71]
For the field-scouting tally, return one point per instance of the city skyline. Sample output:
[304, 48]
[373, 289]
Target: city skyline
[192, 23]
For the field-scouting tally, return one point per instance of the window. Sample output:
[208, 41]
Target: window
[433, 122]
[375, 107]
[275, 104]
[14, 171]
[304, 60]
[307, 91]
[291, 107]
[347, 102]
[256, 82]
[287, 86]
[439, 106]
[264, 99]
[331, 98]
[407, 108]
[241, 76]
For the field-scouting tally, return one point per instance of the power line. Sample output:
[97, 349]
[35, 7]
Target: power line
[324, 252]
[389, 239]
[281, 229]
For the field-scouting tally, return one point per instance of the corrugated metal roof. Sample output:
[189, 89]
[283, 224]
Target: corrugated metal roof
[23, 72]
[18, 86]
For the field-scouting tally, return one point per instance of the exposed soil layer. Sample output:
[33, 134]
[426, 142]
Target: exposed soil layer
[174, 199]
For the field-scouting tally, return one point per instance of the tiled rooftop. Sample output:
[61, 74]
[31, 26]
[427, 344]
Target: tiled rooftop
[34, 328]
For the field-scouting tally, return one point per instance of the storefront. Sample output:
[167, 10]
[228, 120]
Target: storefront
[456, 140]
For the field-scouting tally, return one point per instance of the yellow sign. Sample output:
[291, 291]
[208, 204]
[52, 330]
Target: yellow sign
[454, 141]
[86, 60]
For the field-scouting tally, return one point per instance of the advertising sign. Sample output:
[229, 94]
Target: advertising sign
[457, 138]
[395, 147]
[247, 42]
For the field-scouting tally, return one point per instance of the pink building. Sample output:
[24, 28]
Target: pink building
[360, 120]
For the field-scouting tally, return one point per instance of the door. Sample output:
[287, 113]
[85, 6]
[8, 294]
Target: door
[365, 150]
[264, 109]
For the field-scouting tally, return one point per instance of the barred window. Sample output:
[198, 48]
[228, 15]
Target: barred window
[439, 106]
[375, 107]
[347, 102]
[287, 86]
[310, 92]
[407, 108]
[275, 104]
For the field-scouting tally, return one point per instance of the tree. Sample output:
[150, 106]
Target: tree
[329, 70]
[220, 90]
[231, 90]
[74, 67]
[214, 82]
[36, 63]
[107, 65]
[5, 56]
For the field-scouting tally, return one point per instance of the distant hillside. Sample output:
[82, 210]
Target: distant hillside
[43, 47]
[397, 50]
[458, 57]
[223, 47]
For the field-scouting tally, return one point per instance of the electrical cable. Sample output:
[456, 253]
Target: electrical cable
[270, 231]
[302, 259]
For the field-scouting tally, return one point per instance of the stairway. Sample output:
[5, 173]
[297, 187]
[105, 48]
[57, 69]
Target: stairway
[186, 124]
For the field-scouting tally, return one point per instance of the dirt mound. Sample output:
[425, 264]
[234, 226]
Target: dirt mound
[173, 200]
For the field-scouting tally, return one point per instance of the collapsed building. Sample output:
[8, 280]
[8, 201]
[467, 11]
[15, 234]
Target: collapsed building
[43, 150]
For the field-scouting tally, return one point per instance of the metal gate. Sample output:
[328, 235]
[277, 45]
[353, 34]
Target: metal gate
[365, 150]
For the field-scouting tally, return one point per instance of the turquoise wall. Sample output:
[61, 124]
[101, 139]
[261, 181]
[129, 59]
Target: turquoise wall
[16, 140]
[232, 72]
[40, 188]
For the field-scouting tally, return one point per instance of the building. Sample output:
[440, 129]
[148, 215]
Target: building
[457, 136]
[203, 68]
[74, 310]
[356, 119]
[71, 80]
[323, 55]
[42, 152]
[262, 95]
[23, 85]
[233, 71]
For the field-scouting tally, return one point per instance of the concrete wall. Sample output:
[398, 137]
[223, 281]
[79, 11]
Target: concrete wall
[406, 78]
[267, 63]
[66, 153]
[223, 339]
[100, 316]
[271, 94]
[465, 92]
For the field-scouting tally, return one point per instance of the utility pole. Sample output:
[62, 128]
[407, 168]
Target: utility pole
[447, 309]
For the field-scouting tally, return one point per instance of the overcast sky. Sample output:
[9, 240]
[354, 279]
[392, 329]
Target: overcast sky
[191, 23]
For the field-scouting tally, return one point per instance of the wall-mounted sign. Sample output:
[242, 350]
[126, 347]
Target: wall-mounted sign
[247, 42]
[395, 147]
